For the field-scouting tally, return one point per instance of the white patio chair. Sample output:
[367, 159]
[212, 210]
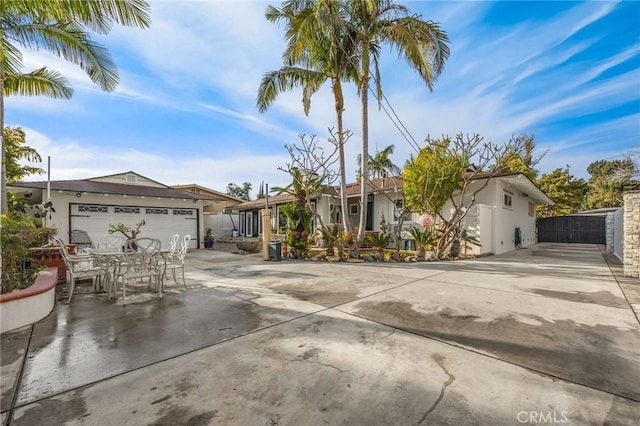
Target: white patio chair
[112, 243]
[141, 259]
[80, 267]
[173, 243]
[176, 260]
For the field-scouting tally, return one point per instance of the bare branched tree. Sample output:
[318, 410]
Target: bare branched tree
[400, 210]
[313, 170]
[454, 170]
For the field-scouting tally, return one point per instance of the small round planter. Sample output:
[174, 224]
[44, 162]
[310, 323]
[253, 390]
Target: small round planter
[248, 246]
[26, 306]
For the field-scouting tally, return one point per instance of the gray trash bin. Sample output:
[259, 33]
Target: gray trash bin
[275, 251]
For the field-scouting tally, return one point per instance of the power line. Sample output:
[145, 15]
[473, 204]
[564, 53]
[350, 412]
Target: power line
[399, 125]
[411, 142]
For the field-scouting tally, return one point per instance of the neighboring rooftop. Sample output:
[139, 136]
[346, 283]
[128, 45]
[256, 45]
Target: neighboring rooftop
[128, 183]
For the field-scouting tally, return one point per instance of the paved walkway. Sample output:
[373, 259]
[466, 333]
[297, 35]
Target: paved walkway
[538, 335]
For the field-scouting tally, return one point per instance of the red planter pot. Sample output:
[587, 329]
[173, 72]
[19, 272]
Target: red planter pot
[51, 257]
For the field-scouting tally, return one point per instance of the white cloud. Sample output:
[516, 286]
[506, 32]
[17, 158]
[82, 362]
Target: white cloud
[203, 60]
[73, 160]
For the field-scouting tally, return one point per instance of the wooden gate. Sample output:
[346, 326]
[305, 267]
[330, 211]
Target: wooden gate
[572, 229]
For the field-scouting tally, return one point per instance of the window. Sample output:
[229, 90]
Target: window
[532, 210]
[93, 209]
[398, 209]
[127, 210]
[336, 216]
[282, 222]
[156, 211]
[353, 209]
[508, 200]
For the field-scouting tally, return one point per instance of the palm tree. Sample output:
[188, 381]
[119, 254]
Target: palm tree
[61, 27]
[380, 164]
[317, 52]
[422, 43]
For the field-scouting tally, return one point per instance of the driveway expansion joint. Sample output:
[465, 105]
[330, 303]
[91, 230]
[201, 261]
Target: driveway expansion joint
[615, 273]
[16, 391]
[494, 357]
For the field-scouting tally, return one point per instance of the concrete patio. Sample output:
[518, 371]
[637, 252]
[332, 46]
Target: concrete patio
[538, 335]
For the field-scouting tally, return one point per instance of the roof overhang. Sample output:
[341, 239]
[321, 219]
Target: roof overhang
[527, 188]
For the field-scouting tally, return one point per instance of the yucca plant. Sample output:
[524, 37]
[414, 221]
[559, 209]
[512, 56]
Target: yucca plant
[297, 230]
[379, 240]
[423, 240]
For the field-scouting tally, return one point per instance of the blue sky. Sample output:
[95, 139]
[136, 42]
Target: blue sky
[184, 112]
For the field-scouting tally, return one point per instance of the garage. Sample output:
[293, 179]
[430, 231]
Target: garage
[91, 205]
[160, 222]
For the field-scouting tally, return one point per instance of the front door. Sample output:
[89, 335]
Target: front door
[369, 214]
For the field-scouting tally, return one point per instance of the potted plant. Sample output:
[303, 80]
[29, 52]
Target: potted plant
[208, 239]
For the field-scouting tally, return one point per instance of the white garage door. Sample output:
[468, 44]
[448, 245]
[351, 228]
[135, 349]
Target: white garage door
[161, 222]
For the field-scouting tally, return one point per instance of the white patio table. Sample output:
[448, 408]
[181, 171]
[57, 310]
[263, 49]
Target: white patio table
[127, 265]
[109, 260]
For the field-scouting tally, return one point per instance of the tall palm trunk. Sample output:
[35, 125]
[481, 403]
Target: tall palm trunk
[4, 207]
[339, 104]
[364, 172]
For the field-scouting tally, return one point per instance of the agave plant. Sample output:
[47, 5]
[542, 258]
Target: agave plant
[379, 240]
[423, 240]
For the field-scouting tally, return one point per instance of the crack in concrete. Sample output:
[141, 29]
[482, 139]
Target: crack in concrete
[393, 331]
[270, 355]
[440, 360]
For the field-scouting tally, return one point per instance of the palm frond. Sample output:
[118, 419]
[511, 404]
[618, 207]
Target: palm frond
[379, 240]
[42, 81]
[422, 44]
[71, 42]
[275, 82]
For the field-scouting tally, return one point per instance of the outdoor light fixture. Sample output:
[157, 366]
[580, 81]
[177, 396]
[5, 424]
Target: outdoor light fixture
[48, 206]
[78, 194]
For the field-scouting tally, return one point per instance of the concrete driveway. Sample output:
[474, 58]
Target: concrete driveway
[539, 335]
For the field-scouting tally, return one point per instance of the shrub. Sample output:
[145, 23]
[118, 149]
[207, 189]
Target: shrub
[379, 240]
[19, 233]
[424, 239]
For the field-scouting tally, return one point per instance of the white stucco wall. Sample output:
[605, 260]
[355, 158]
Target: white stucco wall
[479, 224]
[618, 233]
[20, 312]
[499, 221]
[507, 220]
[221, 225]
